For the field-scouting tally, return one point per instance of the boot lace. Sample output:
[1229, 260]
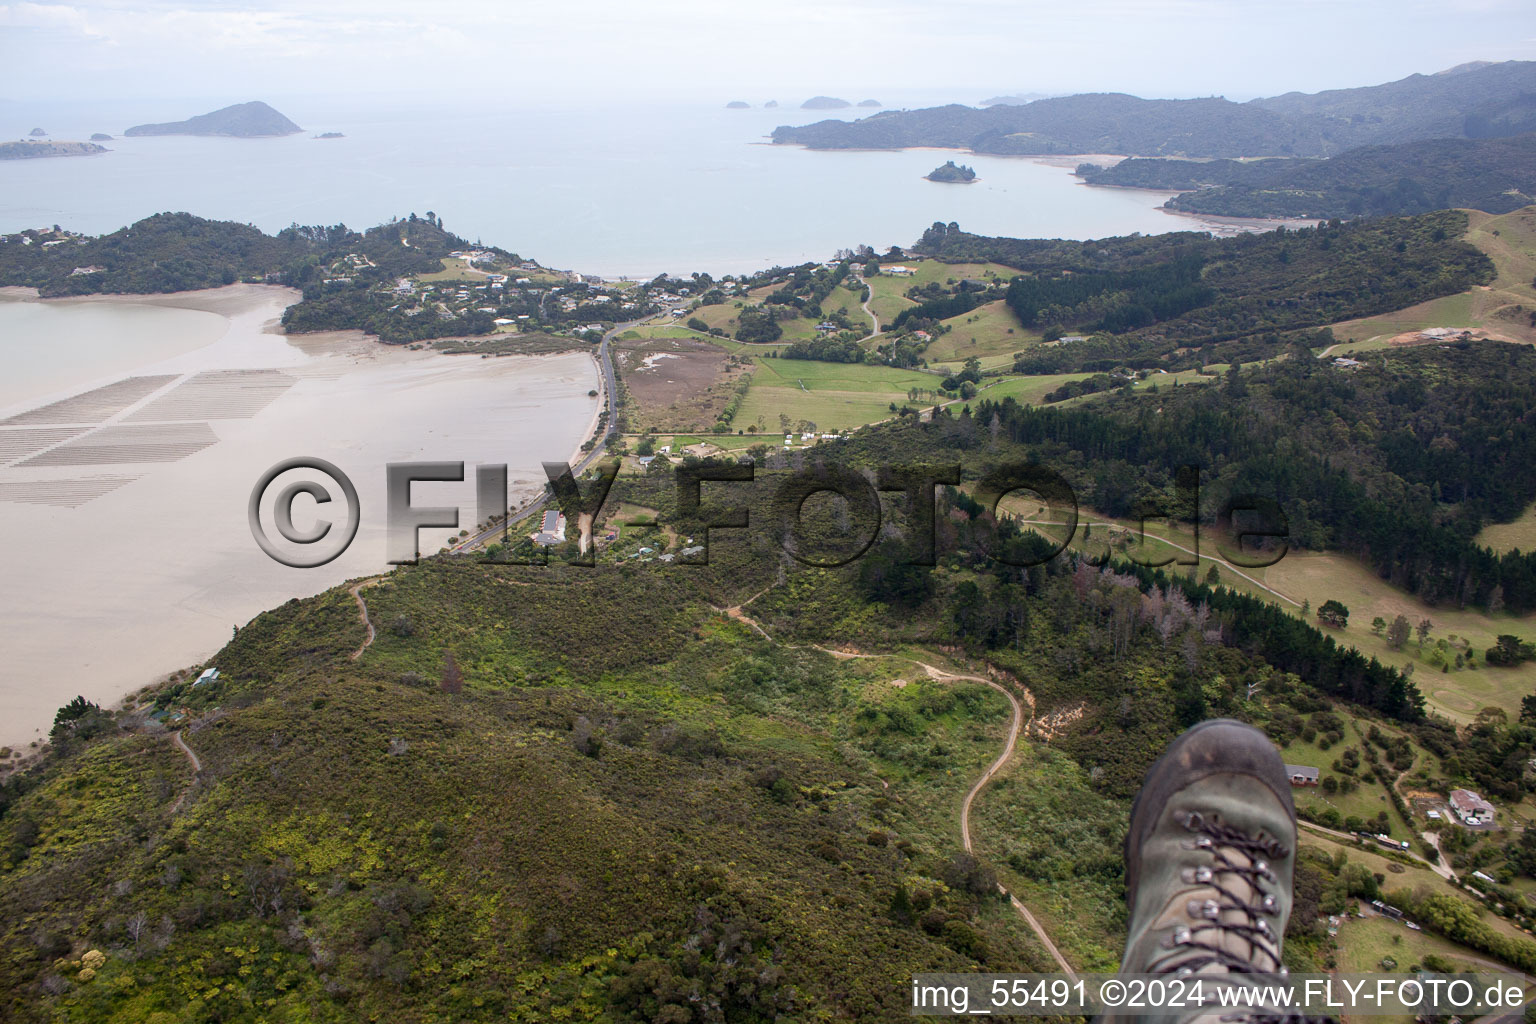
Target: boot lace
[1237, 857]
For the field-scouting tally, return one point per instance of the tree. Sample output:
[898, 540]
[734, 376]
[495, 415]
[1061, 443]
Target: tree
[756, 324]
[1213, 577]
[1509, 650]
[138, 924]
[1378, 624]
[1423, 629]
[645, 446]
[1398, 632]
[1333, 613]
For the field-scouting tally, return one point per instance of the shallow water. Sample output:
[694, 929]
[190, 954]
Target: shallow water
[624, 190]
[153, 573]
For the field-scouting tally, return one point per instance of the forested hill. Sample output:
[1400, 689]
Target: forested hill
[171, 252]
[1493, 175]
[340, 270]
[1090, 123]
[1187, 296]
[1480, 102]
[1399, 461]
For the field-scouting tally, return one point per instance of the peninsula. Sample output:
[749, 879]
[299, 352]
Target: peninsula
[24, 150]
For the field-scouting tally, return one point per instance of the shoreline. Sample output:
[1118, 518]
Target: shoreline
[1225, 226]
[137, 627]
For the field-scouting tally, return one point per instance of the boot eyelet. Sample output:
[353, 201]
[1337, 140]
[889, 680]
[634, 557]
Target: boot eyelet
[1269, 902]
[1180, 935]
[1210, 909]
[1203, 843]
[1262, 867]
[1203, 874]
[1262, 926]
[1193, 820]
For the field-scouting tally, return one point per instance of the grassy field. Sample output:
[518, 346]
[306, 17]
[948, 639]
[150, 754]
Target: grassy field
[1365, 802]
[1510, 241]
[454, 270]
[990, 330]
[1517, 535]
[1027, 390]
[888, 295]
[834, 396]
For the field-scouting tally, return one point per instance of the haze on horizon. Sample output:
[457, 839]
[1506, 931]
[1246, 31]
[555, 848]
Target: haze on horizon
[540, 53]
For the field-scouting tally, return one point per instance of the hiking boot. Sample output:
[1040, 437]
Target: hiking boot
[1208, 860]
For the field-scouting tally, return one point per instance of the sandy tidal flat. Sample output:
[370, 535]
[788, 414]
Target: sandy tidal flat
[123, 494]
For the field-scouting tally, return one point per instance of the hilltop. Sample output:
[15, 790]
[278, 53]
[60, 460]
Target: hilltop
[242, 120]
[1478, 102]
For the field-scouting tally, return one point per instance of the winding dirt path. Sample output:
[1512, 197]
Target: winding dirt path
[197, 767]
[1015, 726]
[362, 613]
[1175, 544]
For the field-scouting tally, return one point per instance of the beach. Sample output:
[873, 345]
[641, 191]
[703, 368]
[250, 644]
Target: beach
[127, 545]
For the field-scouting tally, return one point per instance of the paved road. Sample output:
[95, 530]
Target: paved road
[610, 392]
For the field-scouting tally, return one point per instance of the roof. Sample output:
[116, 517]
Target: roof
[1466, 801]
[1301, 771]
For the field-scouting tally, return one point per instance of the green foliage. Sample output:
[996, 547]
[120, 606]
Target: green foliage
[1181, 299]
[756, 324]
[1333, 613]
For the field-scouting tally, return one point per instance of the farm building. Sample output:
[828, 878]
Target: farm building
[1301, 775]
[1471, 808]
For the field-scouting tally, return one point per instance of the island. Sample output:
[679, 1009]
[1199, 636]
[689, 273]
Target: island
[824, 103]
[101, 137]
[870, 103]
[25, 150]
[952, 173]
[738, 105]
[37, 133]
[330, 135]
[770, 104]
[242, 120]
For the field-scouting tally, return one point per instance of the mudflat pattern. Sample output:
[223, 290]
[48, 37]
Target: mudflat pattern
[62, 493]
[128, 443]
[95, 406]
[19, 442]
[216, 395]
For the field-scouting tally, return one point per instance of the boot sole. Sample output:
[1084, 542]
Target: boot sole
[1220, 746]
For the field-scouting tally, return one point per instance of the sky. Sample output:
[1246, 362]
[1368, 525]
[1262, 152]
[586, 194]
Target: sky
[618, 50]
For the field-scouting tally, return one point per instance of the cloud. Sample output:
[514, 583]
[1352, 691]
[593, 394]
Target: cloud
[537, 50]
